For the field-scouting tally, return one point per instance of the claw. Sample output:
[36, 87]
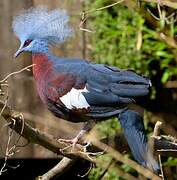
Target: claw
[75, 140]
[72, 143]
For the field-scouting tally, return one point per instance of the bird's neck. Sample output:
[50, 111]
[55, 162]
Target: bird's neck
[41, 46]
[41, 64]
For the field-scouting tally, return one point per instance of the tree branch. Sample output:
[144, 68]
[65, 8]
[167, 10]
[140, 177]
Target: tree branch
[168, 3]
[16, 72]
[48, 141]
[37, 137]
[60, 168]
[119, 157]
[165, 145]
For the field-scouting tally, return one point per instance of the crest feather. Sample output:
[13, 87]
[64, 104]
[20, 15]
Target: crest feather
[39, 22]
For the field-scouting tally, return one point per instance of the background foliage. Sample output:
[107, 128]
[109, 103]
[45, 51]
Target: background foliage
[134, 38]
[127, 38]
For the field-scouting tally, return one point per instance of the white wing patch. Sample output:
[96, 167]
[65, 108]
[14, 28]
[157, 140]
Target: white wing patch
[75, 99]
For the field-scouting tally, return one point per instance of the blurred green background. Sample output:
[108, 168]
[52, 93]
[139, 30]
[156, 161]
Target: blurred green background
[138, 36]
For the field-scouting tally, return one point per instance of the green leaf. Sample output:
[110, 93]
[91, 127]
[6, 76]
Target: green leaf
[171, 162]
[165, 77]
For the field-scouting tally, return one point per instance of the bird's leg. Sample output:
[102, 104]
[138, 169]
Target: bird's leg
[76, 139]
[86, 128]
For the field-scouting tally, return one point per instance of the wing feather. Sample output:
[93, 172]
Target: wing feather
[105, 87]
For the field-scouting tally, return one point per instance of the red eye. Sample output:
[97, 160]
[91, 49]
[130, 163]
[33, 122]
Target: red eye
[27, 42]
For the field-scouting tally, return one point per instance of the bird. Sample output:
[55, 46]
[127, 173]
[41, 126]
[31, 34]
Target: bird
[78, 90]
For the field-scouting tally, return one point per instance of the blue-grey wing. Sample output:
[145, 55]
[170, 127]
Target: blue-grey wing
[112, 86]
[108, 89]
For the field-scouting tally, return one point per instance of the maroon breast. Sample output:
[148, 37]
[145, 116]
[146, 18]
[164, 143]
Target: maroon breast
[60, 88]
[42, 71]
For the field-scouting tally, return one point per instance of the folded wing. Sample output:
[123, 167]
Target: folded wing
[99, 91]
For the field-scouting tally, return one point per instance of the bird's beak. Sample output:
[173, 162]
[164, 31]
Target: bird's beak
[19, 51]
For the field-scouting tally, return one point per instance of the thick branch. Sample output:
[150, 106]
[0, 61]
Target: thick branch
[48, 141]
[169, 3]
[60, 168]
[163, 145]
[37, 137]
[118, 156]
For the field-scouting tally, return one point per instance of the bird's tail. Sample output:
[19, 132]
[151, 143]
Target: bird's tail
[132, 123]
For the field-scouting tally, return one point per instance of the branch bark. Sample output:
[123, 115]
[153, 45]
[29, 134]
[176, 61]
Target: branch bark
[169, 3]
[37, 137]
[60, 168]
[48, 141]
[163, 144]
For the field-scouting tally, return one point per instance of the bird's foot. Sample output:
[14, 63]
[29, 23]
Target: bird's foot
[72, 143]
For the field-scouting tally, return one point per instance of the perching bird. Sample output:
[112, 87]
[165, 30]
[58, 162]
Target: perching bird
[77, 90]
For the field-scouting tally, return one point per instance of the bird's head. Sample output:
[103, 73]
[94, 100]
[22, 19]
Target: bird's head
[38, 27]
[30, 45]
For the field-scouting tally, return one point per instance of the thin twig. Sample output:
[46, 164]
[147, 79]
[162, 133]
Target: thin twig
[7, 152]
[164, 2]
[82, 22]
[161, 168]
[20, 134]
[167, 150]
[162, 15]
[105, 7]
[10, 151]
[157, 128]
[88, 171]
[5, 104]
[84, 13]
[17, 72]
